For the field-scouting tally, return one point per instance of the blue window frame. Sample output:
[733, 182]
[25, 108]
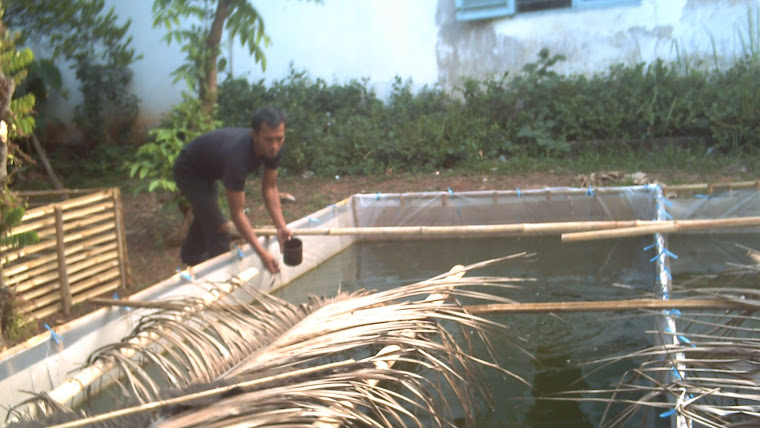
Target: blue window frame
[470, 10]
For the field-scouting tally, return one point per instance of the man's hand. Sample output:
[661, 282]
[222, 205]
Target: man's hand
[283, 235]
[270, 262]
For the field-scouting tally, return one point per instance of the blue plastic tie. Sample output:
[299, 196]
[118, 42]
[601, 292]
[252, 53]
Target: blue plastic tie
[675, 372]
[58, 339]
[451, 192]
[674, 312]
[665, 295]
[668, 413]
[590, 191]
[239, 252]
[668, 216]
[686, 341]
[666, 201]
[184, 274]
[649, 247]
[667, 272]
[664, 252]
[377, 196]
[519, 193]
[115, 296]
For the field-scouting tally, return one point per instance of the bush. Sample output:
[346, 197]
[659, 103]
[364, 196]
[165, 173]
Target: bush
[346, 129]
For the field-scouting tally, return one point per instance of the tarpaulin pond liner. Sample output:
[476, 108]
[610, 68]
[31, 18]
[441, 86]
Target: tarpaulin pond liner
[51, 362]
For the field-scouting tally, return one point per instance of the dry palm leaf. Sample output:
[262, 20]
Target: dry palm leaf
[401, 357]
[707, 373]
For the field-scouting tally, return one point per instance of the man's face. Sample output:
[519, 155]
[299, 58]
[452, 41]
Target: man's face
[268, 141]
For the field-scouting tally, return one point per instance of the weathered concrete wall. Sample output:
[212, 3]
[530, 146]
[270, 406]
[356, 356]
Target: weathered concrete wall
[592, 39]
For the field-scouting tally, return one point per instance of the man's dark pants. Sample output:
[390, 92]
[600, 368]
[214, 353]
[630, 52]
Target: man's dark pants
[203, 241]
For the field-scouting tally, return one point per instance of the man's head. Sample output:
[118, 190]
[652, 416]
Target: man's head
[271, 116]
[268, 131]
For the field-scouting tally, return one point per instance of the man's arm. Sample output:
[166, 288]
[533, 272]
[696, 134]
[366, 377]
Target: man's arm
[271, 195]
[236, 201]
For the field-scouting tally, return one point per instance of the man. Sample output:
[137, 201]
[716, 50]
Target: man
[229, 155]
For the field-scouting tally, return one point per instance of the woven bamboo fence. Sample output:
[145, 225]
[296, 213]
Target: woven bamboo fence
[81, 252]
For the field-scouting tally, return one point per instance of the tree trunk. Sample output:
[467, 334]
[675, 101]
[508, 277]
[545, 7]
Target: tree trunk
[45, 162]
[208, 89]
[7, 87]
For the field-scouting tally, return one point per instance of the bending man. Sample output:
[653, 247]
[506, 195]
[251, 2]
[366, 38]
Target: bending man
[229, 155]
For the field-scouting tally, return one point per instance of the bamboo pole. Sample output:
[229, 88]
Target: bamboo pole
[665, 226]
[136, 303]
[712, 186]
[523, 308]
[155, 405]
[105, 288]
[121, 241]
[33, 276]
[45, 295]
[515, 228]
[75, 385]
[62, 192]
[86, 247]
[95, 276]
[63, 274]
[75, 271]
[46, 312]
[606, 306]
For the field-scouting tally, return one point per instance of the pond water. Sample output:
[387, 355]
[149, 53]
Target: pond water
[560, 344]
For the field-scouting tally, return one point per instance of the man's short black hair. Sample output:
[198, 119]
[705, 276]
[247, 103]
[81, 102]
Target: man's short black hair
[272, 116]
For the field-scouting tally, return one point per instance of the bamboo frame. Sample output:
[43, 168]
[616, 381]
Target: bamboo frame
[516, 228]
[710, 187]
[63, 277]
[45, 222]
[605, 306]
[121, 240]
[62, 192]
[665, 226]
[82, 250]
[74, 262]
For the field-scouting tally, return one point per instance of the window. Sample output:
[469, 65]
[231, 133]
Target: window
[470, 10]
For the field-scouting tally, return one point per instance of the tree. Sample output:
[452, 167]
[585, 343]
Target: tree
[16, 120]
[98, 47]
[198, 26]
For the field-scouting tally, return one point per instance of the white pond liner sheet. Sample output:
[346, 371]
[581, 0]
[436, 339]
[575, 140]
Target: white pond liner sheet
[50, 361]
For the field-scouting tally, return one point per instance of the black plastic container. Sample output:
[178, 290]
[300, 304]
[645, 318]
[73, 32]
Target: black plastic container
[293, 252]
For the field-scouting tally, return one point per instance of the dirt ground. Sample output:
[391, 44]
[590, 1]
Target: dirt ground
[148, 222]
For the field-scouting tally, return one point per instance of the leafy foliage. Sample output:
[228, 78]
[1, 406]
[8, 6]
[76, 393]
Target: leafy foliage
[110, 108]
[200, 38]
[17, 114]
[347, 129]
[154, 160]
[99, 49]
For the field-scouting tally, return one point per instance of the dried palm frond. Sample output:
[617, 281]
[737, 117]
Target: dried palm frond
[408, 356]
[707, 372]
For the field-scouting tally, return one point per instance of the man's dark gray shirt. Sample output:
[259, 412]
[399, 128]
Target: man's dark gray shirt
[224, 154]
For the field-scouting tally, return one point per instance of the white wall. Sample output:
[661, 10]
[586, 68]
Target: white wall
[593, 39]
[339, 40]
